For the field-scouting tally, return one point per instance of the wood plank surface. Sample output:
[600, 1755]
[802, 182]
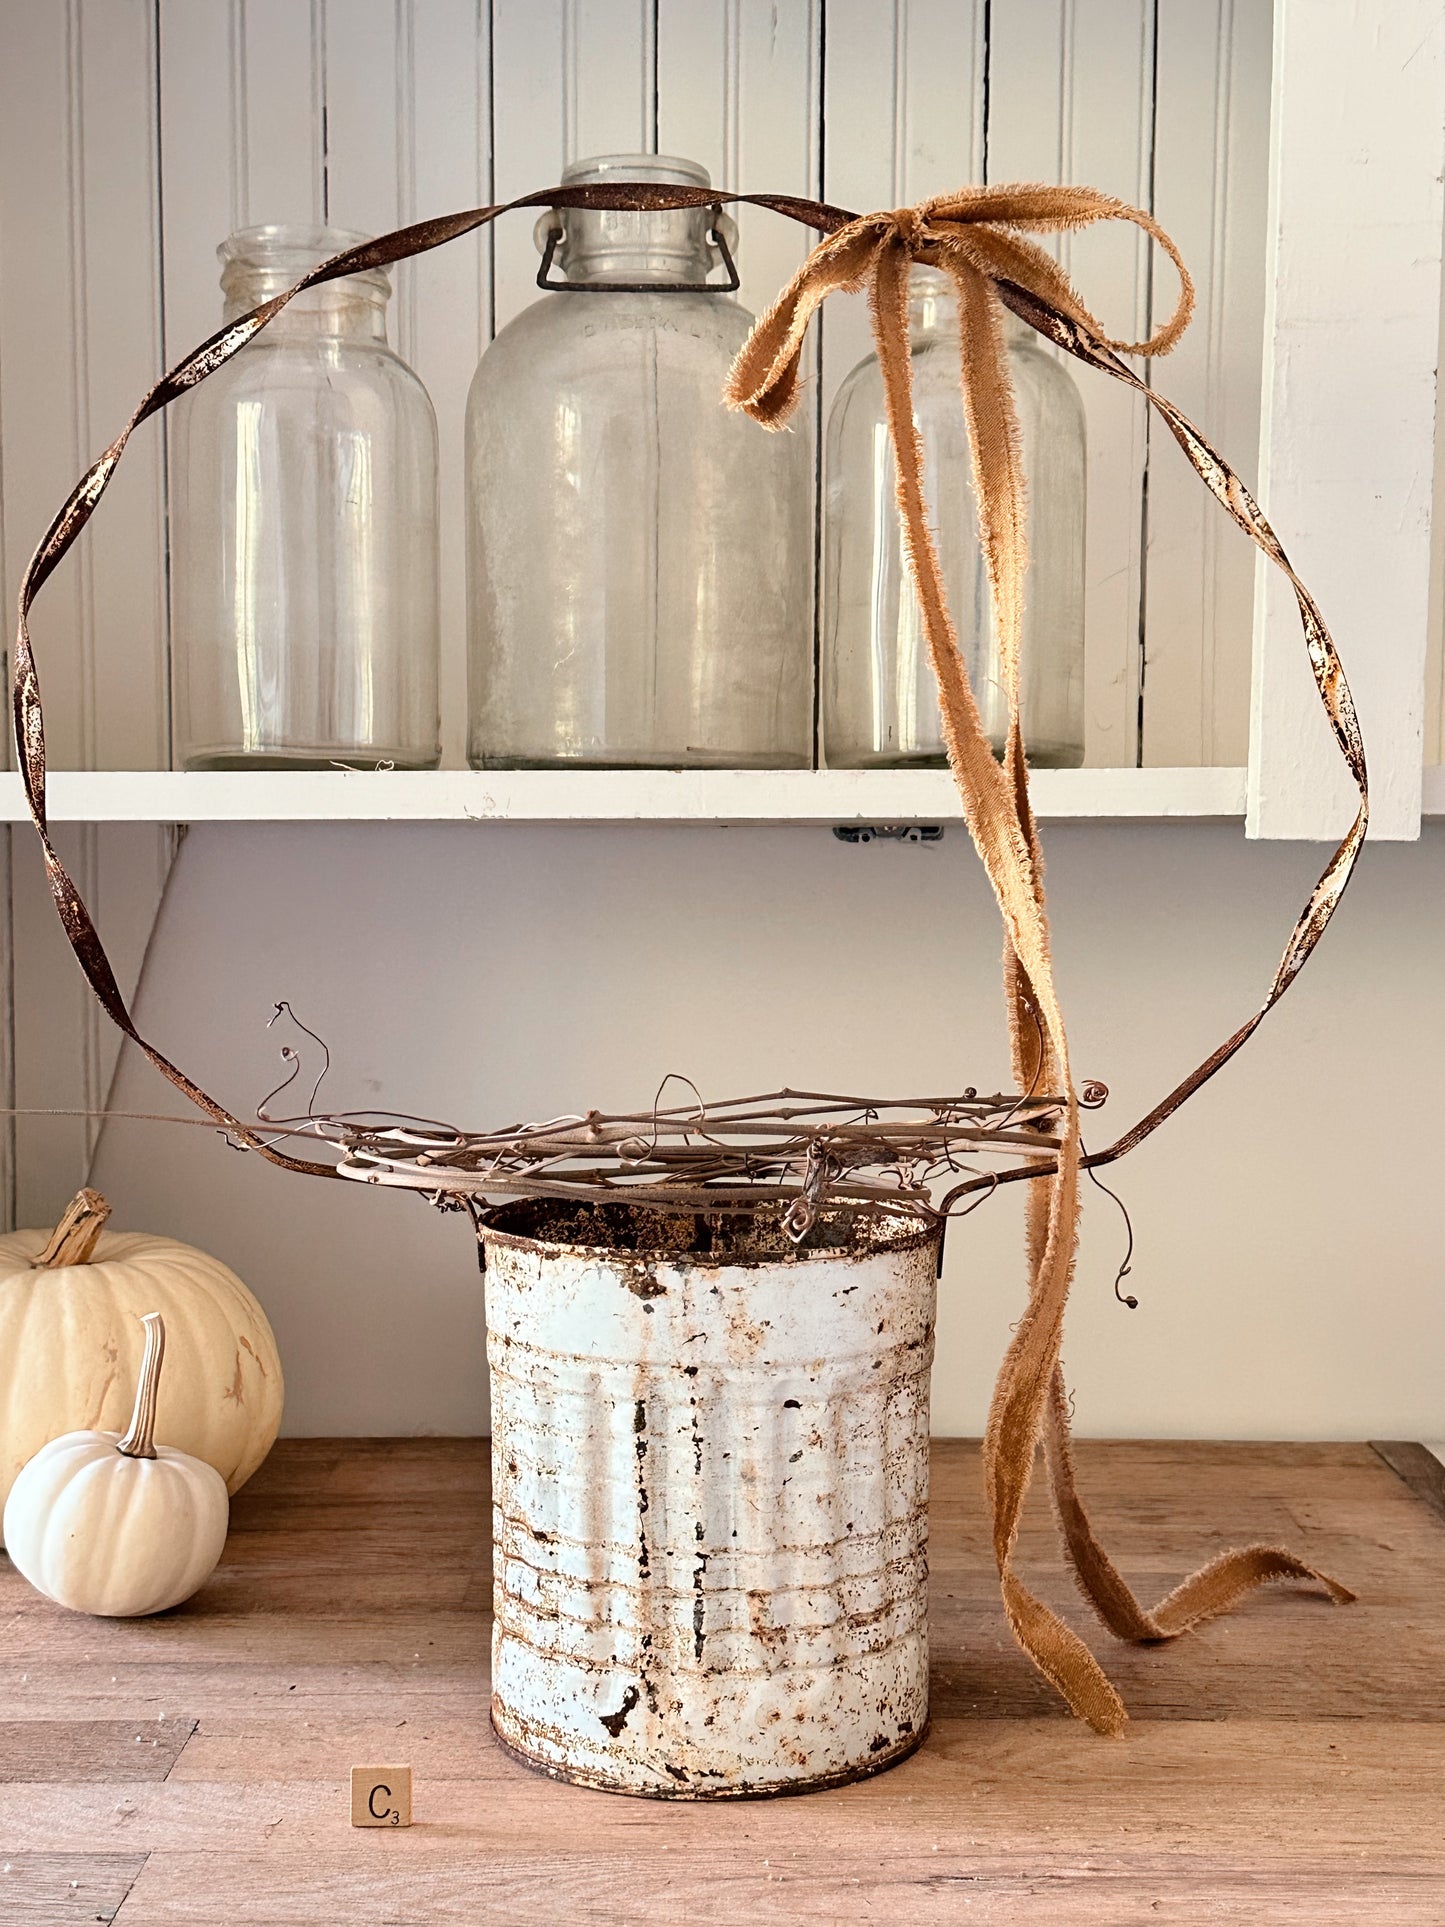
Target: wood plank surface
[1418, 1466]
[71, 1751]
[1283, 1764]
[38, 1889]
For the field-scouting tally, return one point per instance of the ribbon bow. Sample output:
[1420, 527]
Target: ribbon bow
[979, 238]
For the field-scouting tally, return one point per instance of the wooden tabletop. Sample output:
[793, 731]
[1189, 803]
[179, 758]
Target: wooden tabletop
[1284, 1764]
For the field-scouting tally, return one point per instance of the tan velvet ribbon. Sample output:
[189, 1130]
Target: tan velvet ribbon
[980, 237]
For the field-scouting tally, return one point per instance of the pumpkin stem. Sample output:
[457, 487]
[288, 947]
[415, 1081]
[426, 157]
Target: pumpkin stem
[139, 1441]
[74, 1238]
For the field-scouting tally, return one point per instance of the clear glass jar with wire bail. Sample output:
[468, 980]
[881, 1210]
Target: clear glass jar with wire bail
[304, 530]
[879, 698]
[639, 557]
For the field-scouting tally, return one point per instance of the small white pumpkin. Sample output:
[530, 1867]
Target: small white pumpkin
[118, 1525]
[70, 1344]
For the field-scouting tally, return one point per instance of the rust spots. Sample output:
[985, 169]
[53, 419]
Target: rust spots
[639, 1427]
[768, 1636]
[614, 1722]
[699, 1577]
[764, 1641]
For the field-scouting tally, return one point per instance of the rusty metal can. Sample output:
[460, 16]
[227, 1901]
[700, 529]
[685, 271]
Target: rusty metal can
[710, 1494]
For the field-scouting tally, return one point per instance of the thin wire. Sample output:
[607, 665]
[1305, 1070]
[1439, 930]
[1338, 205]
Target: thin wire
[1124, 1297]
[293, 1058]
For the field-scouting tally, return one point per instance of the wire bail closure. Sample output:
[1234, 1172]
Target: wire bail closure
[716, 239]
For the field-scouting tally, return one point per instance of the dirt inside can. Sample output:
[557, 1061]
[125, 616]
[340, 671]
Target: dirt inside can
[756, 1236]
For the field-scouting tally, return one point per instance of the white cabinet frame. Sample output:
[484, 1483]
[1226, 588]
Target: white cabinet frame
[1347, 436]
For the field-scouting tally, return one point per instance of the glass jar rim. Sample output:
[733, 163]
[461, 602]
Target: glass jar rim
[287, 250]
[661, 168]
[675, 235]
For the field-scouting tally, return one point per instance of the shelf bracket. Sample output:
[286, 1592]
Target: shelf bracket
[888, 832]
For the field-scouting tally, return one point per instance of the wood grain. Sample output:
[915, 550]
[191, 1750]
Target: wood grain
[1284, 1764]
[41, 1751]
[1418, 1467]
[44, 1889]
[692, 1889]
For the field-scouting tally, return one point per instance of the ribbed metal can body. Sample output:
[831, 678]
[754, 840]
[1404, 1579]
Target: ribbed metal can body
[710, 1504]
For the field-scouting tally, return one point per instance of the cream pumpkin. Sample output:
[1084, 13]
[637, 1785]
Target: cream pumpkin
[118, 1525]
[71, 1342]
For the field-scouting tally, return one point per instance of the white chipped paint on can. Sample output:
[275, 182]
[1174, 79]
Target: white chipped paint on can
[710, 1508]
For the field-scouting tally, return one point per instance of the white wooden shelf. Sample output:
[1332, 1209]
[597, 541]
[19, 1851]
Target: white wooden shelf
[608, 796]
[624, 796]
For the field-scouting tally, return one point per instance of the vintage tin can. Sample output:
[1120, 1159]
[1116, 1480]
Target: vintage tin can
[710, 1494]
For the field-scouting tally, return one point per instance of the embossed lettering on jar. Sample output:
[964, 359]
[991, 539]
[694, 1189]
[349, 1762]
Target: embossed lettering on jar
[639, 558]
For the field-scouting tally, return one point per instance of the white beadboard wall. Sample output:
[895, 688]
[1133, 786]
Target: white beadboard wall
[134, 134]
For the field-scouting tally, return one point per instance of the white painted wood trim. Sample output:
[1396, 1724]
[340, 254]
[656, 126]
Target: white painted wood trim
[7, 1029]
[1210, 166]
[1347, 428]
[609, 796]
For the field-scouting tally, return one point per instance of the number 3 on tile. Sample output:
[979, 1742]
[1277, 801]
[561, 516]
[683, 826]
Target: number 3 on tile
[381, 1796]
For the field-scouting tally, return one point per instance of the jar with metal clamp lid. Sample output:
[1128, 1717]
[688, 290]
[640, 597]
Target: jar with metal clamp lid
[638, 556]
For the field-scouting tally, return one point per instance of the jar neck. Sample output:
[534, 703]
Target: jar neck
[315, 315]
[933, 313]
[259, 263]
[602, 246]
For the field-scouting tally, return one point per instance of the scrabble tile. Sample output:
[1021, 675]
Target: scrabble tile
[381, 1796]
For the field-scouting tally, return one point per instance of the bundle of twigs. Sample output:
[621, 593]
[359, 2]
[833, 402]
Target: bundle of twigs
[803, 1149]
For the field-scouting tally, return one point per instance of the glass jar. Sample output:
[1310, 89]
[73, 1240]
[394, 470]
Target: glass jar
[638, 556]
[880, 700]
[304, 530]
